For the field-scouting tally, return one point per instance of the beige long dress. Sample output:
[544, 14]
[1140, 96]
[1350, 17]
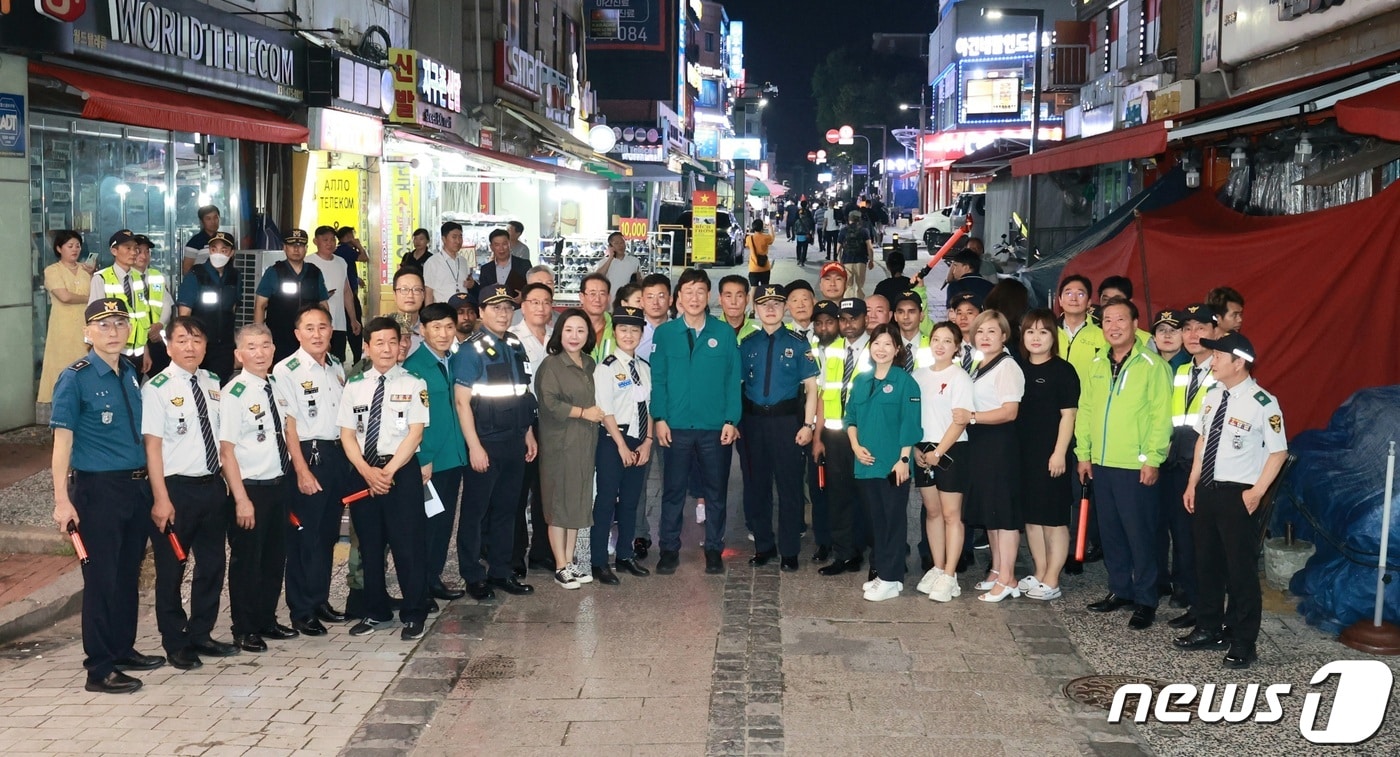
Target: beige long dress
[64, 343]
[567, 444]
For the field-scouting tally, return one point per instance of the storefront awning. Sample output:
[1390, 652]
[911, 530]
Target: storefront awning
[992, 158]
[1312, 102]
[1376, 113]
[107, 99]
[447, 140]
[548, 130]
[1137, 142]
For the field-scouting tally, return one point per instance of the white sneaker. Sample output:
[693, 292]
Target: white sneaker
[1027, 583]
[944, 589]
[884, 590]
[926, 583]
[868, 585]
[1043, 592]
[580, 574]
[565, 578]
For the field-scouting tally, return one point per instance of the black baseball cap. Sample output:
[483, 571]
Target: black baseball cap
[962, 297]
[799, 284]
[853, 307]
[121, 237]
[907, 296]
[1168, 317]
[107, 307]
[628, 316]
[770, 293]
[1234, 343]
[826, 307]
[143, 239]
[1200, 313]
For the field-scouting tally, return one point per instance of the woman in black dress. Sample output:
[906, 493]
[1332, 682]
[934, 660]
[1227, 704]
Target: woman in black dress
[1045, 427]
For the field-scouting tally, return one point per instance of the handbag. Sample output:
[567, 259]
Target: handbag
[801, 237]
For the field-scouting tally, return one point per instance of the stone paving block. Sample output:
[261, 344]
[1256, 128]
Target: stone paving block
[635, 733]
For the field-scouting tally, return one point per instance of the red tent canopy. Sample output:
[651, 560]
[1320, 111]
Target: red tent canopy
[1322, 289]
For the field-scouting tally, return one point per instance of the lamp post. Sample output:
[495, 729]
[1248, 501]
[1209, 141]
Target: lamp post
[760, 99]
[1032, 251]
[919, 145]
[884, 185]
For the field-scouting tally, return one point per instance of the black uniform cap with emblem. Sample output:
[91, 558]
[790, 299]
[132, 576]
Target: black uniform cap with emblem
[628, 316]
[770, 293]
[1233, 343]
[222, 236]
[826, 307]
[1167, 318]
[296, 236]
[121, 237]
[1200, 313]
[496, 295]
[141, 239]
[908, 296]
[107, 307]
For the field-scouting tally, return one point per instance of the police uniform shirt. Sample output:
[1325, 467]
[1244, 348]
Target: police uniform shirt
[245, 421]
[486, 364]
[170, 412]
[618, 393]
[103, 410]
[1252, 430]
[405, 403]
[311, 394]
[775, 365]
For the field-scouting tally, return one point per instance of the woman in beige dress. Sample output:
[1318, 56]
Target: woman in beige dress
[67, 283]
[569, 418]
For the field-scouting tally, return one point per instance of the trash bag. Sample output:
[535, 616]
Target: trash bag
[1334, 497]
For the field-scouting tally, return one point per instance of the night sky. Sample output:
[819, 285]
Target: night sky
[785, 40]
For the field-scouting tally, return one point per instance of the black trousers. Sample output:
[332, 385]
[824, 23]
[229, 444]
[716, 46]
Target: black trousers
[201, 524]
[776, 459]
[114, 513]
[258, 558]
[448, 484]
[532, 542]
[1176, 545]
[311, 549]
[619, 490]
[850, 521]
[889, 525]
[1227, 561]
[357, 342]
[489, 503]
[338, 344]
[821, 514]
[397, 520]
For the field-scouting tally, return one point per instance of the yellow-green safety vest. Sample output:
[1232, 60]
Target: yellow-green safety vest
[832, 358]
[139, 311]
[1184, 414]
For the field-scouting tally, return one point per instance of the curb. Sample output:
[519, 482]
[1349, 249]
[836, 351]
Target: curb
[34, 540]
[43, 608]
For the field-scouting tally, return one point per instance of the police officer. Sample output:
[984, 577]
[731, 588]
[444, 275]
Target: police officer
[842, 360]
[780, 411]
[156, 292]
[308, 385]
[824, 337]
[381, 419]
[908, 309]
[1241, 451]
[623, 388]
[254, 455]
[286, 287]
[121, 281]
[211, 293]
[100, 487]
[495, 408]
[180, 420]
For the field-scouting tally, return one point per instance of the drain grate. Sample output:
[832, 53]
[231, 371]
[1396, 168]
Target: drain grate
[491, 667]
[1097, 691]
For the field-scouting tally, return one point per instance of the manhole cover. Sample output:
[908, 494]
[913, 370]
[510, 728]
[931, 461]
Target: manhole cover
[493, 666]
[1098, 691]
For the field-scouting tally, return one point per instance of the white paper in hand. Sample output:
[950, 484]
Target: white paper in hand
[432, 503]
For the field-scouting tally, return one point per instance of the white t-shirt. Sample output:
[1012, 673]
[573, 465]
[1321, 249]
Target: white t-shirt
[337, 277]
[941, 392]
[1005, 383]
[445, 275]
[621, 271]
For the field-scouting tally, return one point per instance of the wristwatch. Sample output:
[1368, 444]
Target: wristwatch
[974, 418]
[904, 459]
[812, 426]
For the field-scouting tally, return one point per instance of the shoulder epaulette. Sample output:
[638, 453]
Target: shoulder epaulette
[237, 389]
[334, 359]
[213, 375]
[610, 359]
[78, 366]
[356, 377]
[160, 379]
[1263, 397]
[293, 364]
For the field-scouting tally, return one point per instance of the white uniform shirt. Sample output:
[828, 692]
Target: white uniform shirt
[336, 274]
[1252, 430]
[246, 422]
[1005, 383]
[169, 411]
[617, 394]
[97, 287]
[446, 275]
[942, 391]
[311, 392]
[405, 403]
[621, 270]
[535, 350]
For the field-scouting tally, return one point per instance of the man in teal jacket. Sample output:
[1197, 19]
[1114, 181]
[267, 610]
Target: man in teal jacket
[695, 392]
[443, 451]
[1121, 434]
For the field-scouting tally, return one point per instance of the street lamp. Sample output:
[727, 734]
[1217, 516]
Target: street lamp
[760, 99]
[919, 145]
[1039, 16]
[884, 156]
[847, 133]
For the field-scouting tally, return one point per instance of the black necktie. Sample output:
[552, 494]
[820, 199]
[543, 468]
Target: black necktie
[847, 371]
[372, 431]
[211, 448]
[1194, 386]
[126, 288]
[909, 358]
[642, 415]
[967, 358]
[277, 426]
[1217, 427]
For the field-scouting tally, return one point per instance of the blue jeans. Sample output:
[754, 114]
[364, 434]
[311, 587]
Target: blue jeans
[1128, 522]
[619, 489]
[702, 450]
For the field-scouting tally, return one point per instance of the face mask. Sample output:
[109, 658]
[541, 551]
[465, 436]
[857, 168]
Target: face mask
[218, 259]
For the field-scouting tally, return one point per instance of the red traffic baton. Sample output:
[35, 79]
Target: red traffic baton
[821, 473]
[356, 497]
[294, 520]
[78, 545]
[175, 545]
[1087, 488]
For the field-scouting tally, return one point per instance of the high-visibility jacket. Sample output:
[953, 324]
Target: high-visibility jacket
[1188, 413]
[138, 311]
[1080, 349]
[832, 359]
[1124, 421]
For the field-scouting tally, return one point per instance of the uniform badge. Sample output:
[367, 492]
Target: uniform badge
[400, 397]
[423, 397]
[293, 364]
[1239, 424]
[308, 387]
[177, 401]
[620, 377]
[713, 343]
[214, 394]
[1205, 411]
[889, 389]
[107, 417]
[262, 435]
[255, 409]
[160, 380]
[787, 352]
[1276, 423]
[1237, 442]
[491, 351]
[182, 428]
[237, 389]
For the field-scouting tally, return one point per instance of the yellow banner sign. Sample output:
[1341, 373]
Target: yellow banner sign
[338, 198]
[702, 227]
[402, 216]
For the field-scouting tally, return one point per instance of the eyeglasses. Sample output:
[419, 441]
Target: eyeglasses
[538, 303]
[409, 290]
[112, 325]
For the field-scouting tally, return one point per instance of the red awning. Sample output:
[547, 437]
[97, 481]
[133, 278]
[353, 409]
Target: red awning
[1138, 142]
[1376, 113]
[107, 99]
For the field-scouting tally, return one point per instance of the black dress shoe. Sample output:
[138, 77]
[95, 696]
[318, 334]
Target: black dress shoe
[842, 566]
[714, 563]
[184, 659]
[1179, 600]
[1240, 656]
[1201, 638]
[1142, 617]
[115, 682]
[762, 558]
[309, 627]
[480, 591]
[1093, 554]
[542, 563]
[213, 648]
[605, 575]
[668, 562]
[1185, 620]
[1074, 568]
[641, 545]
[279, 632]
[1110, 603]
[511, 586]
[789, 564]
[250, 643]
[433, 608]
[327, 614]
[1164, 590]
[632, 567]
[822, 554]
[412, 630]
[138, 661]
[446, 594]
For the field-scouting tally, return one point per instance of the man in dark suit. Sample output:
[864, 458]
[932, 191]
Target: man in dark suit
[502, 268]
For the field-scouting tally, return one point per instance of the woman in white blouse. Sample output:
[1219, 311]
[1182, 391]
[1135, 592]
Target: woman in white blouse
[942, 462]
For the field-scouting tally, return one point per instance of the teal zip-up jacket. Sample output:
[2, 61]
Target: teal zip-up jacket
[695, 377]
[1125, 423]
[443, 444]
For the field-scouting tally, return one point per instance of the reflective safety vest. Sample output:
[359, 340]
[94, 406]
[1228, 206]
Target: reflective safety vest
[833, 361]
[604, 347]
[1186, 414]
[923, 354]
[139, 311]
[502, 404]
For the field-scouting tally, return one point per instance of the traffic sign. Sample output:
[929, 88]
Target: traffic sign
[860, 169]
[832, 135]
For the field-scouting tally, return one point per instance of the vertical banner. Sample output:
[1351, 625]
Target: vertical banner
[402, 217]
[338, 198]
[702, 235]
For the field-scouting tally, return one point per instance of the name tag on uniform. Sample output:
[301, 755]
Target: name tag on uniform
[289, 287]
[360, 409]
[209, 298]
[400, 397]
[1239, 424]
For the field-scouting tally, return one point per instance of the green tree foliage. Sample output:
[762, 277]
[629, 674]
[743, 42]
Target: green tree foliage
[857, 87]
